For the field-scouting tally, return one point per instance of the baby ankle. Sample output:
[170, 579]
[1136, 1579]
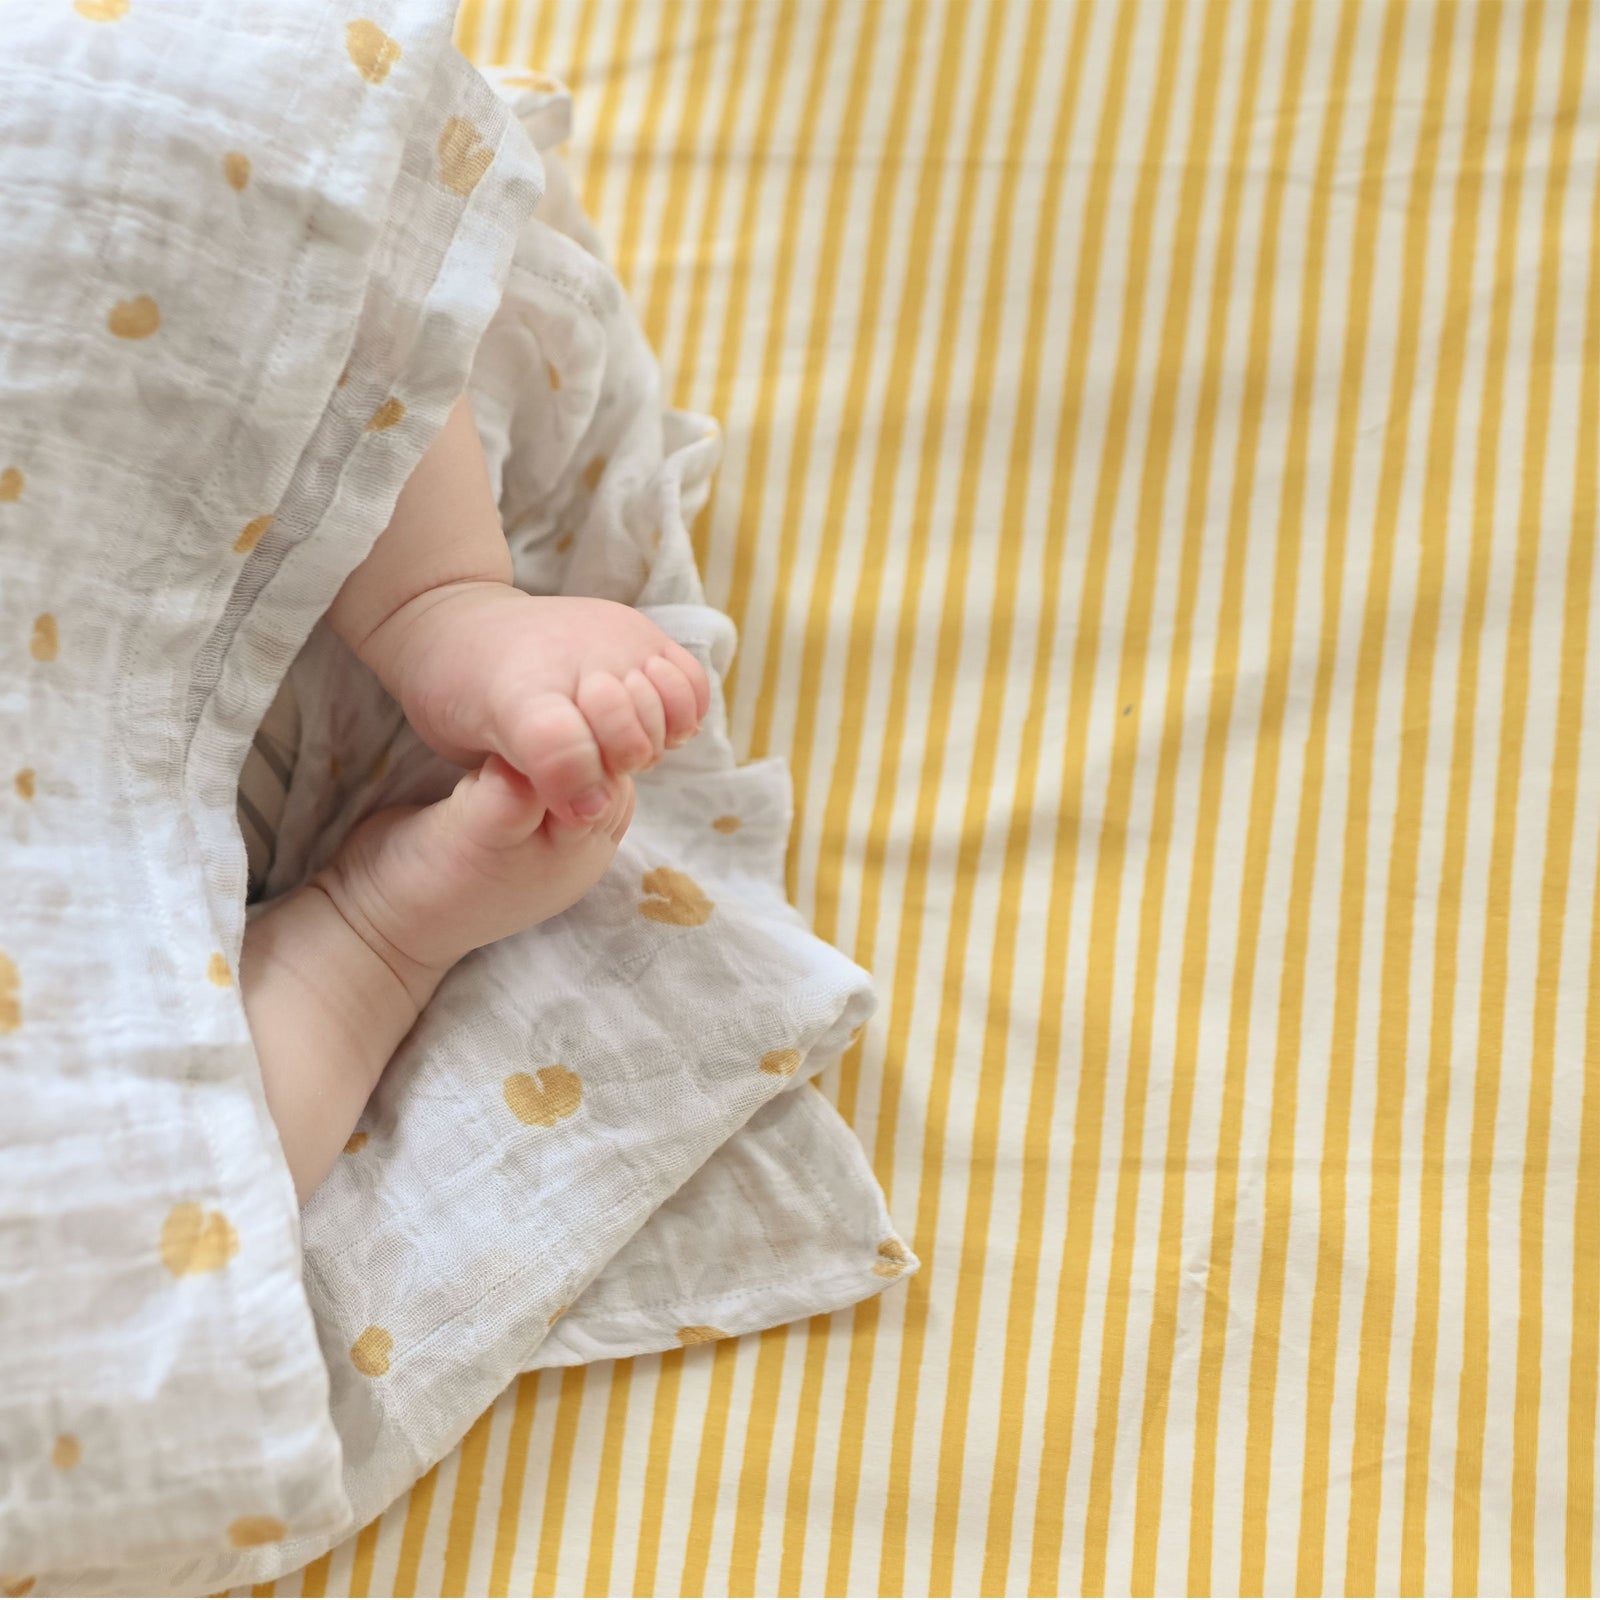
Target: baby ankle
[416, 976]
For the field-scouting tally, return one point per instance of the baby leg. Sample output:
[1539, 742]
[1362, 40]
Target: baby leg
[334, 975]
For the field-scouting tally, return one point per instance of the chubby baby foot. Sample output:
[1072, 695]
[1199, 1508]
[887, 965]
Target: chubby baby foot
[424, 886]
[574, 693]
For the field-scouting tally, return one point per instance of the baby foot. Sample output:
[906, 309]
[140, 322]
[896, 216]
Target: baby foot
[574, 693]
[423, 886]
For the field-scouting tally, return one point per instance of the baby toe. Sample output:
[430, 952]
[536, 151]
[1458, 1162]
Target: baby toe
[677, 698]
[552, 742]
[496, 806]
[652, 713]
[688, 664]
[613, 717]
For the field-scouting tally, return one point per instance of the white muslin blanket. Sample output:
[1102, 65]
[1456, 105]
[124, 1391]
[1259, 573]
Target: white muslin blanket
[249, 260]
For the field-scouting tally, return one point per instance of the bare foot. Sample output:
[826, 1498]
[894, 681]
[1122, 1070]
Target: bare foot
[574, 693]
[423, 886]
[335, 974]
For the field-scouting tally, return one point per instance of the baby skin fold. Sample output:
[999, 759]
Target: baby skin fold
[552, 703]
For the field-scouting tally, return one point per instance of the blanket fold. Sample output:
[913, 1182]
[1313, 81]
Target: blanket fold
[241, 316]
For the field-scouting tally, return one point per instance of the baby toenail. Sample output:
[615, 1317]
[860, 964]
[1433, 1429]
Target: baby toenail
[591, 802]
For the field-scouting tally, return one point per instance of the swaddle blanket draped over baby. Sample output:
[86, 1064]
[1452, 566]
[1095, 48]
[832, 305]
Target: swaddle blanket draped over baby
[250, 257]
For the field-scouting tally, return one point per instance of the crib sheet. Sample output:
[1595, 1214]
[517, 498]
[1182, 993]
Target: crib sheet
[1159, 505]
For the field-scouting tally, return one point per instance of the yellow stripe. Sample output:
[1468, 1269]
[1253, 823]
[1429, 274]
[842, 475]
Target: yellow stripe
[1170, 1267]
[863, 1344]
[464, 1507]
[834, 519]
[577, 70]
[1049, 1529]
[1048, 1524]
[1251, 887]
[998, 1540]
[1394, 1004]
[1111, 861]
[802, 430]
[414, 1536]
[1472, 1401]
[603, 1521]
[847, 1472]
[892, 1557]
[314, 1580]
[1585, 1354]
[366, 1552]
[508, 1523]
[1278, 1184]
[506, 32]
[1585, 1358]
[1425, 1338]
[469, 23]
[642, 144]
[564, 1440]
[835, 523]
[882, 525]
[762, 422]
[666, 248]
[617, 78]
[726, 141]
[779, 62]
[1367, 1447]
[659, 1462]
[1008, 558]
[544, 27]
[1559, 825]
[840, 186]
[750, 1506]
[708, 1470]
[1336, 1115]
[796, 1520]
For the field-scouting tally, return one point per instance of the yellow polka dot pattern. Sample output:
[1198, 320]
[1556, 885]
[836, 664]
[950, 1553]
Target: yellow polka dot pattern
[134, 319]
[543, 1098]
[369, 1355]
[10, 995]
[389, 413]
[45, 645]
[246, 1532]
[676, 899]
[463, 156]
[193, 1242]
[250, 534]
[893, 1259]
[371, 49]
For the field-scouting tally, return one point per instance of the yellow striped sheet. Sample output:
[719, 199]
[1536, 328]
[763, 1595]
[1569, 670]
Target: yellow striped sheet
[1159, 510]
